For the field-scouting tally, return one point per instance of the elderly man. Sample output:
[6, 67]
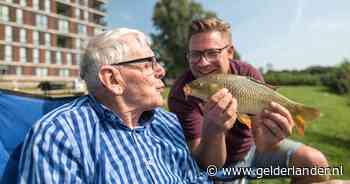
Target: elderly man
[211, 130]
[117, 133]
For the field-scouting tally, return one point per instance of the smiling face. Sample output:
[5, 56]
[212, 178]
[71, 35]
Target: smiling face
[206, 41]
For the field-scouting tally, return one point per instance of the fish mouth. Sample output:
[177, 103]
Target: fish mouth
[187, 91]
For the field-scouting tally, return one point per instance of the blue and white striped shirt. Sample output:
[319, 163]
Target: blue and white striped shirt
[84, 142]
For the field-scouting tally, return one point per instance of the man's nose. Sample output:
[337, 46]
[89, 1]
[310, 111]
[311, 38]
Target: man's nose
[203, 61]
[159, 71]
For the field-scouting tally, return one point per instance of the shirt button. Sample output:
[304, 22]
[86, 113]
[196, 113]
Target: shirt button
[148, 162]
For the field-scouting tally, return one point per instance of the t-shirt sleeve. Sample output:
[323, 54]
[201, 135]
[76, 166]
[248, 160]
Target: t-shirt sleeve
[256, 74]
[246, 69]
[189, 116]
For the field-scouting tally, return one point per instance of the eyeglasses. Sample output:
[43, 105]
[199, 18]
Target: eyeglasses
[150, 64]
[209, 54]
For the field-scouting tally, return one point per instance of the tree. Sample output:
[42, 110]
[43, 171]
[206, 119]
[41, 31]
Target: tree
[338, 80]
[171, 20]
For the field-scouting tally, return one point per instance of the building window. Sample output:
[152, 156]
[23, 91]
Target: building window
[47, 39]
[58, 58]
[78, 45]
[81, 29]
[41, 21]
[36, 38]
[86, 15]
[78, 59]
[36, 57]
[36, 4]
[22, 36]
[8, 33]
[19, 16]
[8, 53]
[22, 55]
[64, 41]
[47, 57]
[23, 3]
[4, 13]
[63, 26]
[82, 2]
[41, 72]
[69, 58]
[98, 30]
[18, 71]
[77, 12]
[64, 72]
[47, 6]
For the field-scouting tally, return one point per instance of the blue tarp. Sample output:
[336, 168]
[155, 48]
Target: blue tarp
[18, 112]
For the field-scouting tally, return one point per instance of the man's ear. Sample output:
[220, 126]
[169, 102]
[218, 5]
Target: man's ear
[111, 79]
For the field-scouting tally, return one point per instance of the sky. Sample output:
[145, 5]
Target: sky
[289, 34]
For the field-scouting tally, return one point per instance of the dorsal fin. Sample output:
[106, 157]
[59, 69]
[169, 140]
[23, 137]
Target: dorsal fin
[263, 83]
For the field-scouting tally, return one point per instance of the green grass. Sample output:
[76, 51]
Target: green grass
[330, 133]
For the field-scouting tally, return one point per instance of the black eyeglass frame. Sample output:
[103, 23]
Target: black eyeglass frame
[153, 60]
[203, 52]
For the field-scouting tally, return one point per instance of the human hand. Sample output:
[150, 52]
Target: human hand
[271, 126]
[219, 112]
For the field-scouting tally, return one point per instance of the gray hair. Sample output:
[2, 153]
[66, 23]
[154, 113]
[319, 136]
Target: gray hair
[106, 48]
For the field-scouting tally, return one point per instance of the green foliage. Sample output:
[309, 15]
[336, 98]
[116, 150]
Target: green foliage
[172, 20]
[236, 55]
[338, 80]
[291, 78]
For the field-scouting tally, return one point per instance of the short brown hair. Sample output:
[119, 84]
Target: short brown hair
[210, 24]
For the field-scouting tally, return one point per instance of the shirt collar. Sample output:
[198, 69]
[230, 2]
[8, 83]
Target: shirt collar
[106, 114]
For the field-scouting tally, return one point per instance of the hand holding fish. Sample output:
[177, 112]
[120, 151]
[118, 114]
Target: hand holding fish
[220, 112]
[252, 98]
[271, 126]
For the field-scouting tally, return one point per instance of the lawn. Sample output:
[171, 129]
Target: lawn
[330, 133]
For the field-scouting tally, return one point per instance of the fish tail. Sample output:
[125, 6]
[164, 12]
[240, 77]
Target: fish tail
[303, 113]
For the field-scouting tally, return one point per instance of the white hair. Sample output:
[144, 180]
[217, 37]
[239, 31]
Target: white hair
[106, 48]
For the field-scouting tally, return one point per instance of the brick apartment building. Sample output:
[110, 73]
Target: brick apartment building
[41, 40]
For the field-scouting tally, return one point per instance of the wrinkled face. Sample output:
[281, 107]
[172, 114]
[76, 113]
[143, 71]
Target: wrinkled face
[143, 84]
[210, 42]
[201, 89]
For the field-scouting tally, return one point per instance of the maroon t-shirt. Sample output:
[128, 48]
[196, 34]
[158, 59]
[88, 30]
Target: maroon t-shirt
[239, 139]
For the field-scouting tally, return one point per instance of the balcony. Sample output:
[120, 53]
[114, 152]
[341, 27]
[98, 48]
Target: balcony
[98, 6]
[102, 1]
[98, 19]
[63, 9]
[64, 42]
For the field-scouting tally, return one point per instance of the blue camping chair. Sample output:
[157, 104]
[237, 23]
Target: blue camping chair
[18, 112]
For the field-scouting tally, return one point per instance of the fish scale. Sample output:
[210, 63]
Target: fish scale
[252, 96]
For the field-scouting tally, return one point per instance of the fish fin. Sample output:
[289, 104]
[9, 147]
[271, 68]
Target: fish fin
[275, 88]
[245, 119]
[263, 83]
[187, 91]
[300, 124]
[303, 113]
